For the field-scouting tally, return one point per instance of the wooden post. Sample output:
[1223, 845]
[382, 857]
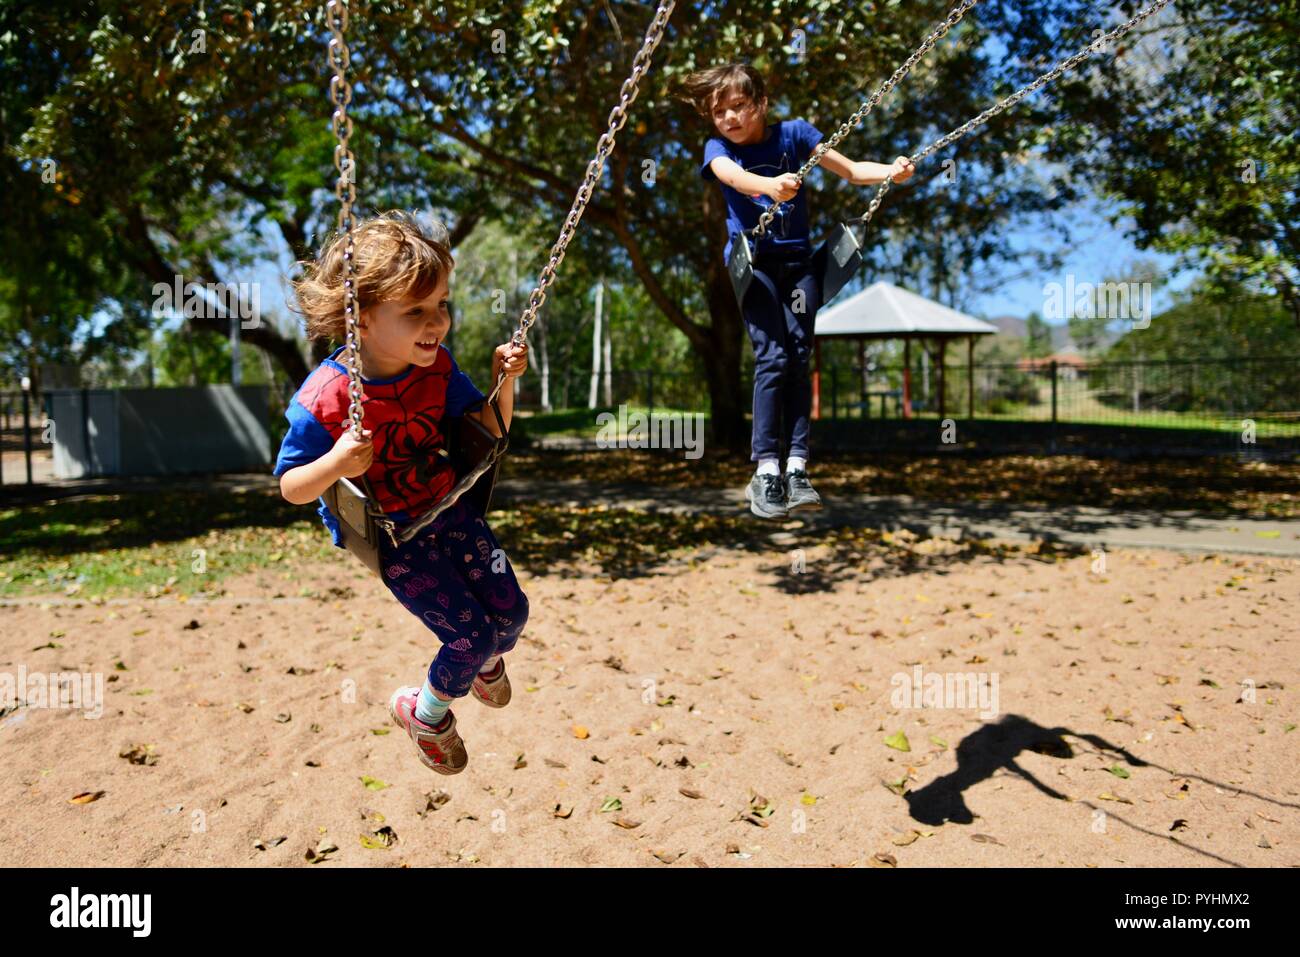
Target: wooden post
[943, 346]
[817, 379]
[862, 378]
[907, 378]
[970, 377]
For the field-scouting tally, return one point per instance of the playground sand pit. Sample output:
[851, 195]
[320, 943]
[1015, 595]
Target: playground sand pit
[727, 711]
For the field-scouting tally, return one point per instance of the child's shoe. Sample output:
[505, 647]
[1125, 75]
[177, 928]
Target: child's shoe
[441, 748]
[799, 492]
[493, 689]
[766, 496]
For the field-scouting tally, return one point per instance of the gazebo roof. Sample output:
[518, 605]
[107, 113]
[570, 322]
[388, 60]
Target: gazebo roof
[884, 311]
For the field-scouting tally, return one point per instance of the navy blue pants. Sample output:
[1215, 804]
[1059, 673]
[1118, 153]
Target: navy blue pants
[454, 577]
[780, 307]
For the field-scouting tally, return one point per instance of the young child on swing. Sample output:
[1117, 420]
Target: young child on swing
[453, 576]
[755, 162]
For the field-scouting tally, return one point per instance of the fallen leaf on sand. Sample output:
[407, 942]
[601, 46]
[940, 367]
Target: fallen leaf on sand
[380, 839]
[321, 852]
[85, 797]
[140, 754]
[898, 742]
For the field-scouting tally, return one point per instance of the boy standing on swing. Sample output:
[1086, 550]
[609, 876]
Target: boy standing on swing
[755, 163]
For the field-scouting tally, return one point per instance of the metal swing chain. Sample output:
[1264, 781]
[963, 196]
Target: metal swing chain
[617, 117]
[939, 32]
[336, 14]
[1064, 66]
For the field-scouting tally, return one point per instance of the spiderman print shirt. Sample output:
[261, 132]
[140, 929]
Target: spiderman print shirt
[785, 147]
[405, 415]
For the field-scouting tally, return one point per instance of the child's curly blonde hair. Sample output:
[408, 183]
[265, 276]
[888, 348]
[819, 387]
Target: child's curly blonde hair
[394, 257]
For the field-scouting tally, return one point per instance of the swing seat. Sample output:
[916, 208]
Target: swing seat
[360, 519]
[475, 456]
[839, 259]
[740, 267]
[472, 447]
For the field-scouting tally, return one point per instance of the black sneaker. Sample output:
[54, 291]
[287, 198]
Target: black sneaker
[799, 492]
[766, 496]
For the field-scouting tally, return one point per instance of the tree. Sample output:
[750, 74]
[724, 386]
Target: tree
[1199, 106]
[1038, 337]
[184, 150]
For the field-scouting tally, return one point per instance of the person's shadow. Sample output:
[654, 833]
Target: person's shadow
[986, 750]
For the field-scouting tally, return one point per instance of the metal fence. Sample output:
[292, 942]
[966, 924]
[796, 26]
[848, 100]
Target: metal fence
[1246, 405]
[1249, 407]
[21, 430]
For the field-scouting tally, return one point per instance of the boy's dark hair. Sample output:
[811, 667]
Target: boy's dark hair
[703, 89]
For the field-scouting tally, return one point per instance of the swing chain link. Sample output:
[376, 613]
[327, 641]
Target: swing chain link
[336, 15]
[1096, 46]
[617, 117]
[939, 32]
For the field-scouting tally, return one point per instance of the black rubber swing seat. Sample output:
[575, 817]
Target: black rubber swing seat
[837, 260]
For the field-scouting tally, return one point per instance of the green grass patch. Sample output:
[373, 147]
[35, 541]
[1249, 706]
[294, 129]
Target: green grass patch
[148, 543]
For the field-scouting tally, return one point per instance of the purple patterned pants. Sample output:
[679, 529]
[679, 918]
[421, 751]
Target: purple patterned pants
[456, 579]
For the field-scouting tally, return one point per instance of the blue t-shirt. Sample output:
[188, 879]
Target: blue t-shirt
[787, 146]
[405, 415]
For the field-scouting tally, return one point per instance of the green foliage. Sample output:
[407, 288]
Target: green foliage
[182, 132]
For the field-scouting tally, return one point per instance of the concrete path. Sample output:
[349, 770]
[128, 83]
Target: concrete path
[1074, 524]
[1082, 525]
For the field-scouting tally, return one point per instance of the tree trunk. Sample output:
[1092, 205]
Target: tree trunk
[596, 340]
[544, 358]
[723, 371]
[607, 358]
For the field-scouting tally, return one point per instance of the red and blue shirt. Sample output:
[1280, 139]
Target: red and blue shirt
[406, 416]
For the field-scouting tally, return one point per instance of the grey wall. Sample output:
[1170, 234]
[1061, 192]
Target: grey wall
[85, 432]
[217, 428]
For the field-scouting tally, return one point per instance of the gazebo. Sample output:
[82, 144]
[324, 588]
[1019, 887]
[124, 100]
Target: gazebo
[884, 311]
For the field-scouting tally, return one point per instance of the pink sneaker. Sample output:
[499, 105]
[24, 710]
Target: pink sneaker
[492, 689]
[441, 748]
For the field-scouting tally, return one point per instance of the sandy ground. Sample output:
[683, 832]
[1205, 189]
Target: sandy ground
[737, 710]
